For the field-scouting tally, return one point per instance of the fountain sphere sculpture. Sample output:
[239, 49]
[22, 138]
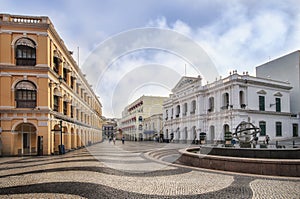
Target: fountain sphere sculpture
[246, 132]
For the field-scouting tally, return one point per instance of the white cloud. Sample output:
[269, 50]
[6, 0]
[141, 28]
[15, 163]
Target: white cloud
[235, 34]
[240, 40]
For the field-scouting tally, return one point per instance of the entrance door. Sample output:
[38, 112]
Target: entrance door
[27, 138]
[40, 145]
[26, 143]
[212, 133]
[172, 136]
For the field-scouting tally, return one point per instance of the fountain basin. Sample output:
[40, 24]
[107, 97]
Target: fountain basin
[219, 158]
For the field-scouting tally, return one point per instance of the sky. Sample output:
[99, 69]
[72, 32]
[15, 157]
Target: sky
[143, 47]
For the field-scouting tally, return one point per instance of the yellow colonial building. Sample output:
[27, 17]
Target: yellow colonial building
[46, 104]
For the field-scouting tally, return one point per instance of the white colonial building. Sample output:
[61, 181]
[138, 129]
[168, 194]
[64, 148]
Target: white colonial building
[131, 123]
[220, 106]
[286, 68]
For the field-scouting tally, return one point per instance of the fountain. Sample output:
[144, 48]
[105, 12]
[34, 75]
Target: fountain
[247, 156]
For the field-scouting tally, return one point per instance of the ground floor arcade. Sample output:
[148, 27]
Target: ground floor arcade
[276, 127]
[36, 137]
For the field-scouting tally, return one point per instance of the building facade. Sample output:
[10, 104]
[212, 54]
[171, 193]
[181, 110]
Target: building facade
[220, 106]
[109, 128]
[285, 68]
[45, 99]
[131, 123]
[153, 127]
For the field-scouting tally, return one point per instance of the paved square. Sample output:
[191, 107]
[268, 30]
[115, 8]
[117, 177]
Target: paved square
[132, 170]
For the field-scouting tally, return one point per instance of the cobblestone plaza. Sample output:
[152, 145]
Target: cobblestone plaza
[132, 170]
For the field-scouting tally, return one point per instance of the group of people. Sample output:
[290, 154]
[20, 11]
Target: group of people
[114, 139]
[254, 139]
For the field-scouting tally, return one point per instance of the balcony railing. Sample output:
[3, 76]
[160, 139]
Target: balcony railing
[26, 103]
[25, 62]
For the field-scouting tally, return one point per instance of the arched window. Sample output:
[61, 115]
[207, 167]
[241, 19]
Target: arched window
[140, 118]
[211, 104]
[242, 99]
[193, 107]
[167, 114]
[226, 128]
[57, 61]
[225, 101]
[140, 127]
[56, 101]
[25, 94]
[178, 134]
[25, 52]
[194, 133]
[185, 109]
[177, 110]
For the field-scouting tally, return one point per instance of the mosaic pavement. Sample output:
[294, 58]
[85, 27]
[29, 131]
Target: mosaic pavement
[132, 170]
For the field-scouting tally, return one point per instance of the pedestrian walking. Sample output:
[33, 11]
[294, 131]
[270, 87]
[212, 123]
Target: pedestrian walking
[123, 140]
[267, 139]
[114, 140]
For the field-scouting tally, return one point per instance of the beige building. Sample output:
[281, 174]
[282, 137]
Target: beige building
[153, 127]
[131, 123]
[45, 99]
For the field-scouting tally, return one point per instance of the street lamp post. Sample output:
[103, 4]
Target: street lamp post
[61, 148]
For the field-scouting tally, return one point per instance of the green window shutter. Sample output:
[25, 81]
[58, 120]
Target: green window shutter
[278, 129]
[278, 104]
[262, 126]
[262, 103]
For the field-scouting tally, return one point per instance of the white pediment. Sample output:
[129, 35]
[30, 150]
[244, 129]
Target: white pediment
[185, 82]
[262, 92]
[278, 94]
